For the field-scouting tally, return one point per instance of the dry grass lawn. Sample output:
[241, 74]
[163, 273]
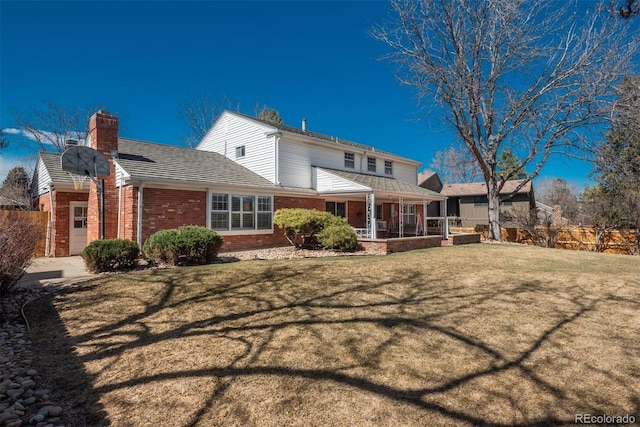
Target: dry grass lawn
[469, 335]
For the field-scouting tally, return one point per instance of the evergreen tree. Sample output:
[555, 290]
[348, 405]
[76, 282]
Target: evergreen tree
[509, 166]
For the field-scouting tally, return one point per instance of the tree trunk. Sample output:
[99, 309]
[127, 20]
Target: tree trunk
[494, 209]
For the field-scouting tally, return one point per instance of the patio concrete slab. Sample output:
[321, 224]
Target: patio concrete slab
[55, 270]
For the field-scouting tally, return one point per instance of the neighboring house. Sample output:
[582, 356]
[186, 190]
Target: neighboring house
[10, 204]
[239, 175]
[468, 206]
[550, 215]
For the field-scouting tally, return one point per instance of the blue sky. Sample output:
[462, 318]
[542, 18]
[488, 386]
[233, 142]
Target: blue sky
[143, 60]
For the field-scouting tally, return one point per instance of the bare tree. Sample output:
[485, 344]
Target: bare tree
[199, 114]
[50, 126]
[529, 75]
[455, 165]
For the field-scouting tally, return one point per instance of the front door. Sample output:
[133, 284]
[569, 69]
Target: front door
[77, 227]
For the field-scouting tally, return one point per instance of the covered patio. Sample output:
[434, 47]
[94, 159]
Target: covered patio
[378, 207]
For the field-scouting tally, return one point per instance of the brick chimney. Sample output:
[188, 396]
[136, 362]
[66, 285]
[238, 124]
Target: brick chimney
[103, 128]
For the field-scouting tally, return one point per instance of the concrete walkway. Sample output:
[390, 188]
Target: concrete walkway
[55, 270]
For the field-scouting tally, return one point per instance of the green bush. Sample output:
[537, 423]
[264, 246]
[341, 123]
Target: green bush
[188, 245]
[301, 226]
[110, 255]
[339, 237]
[160, 247]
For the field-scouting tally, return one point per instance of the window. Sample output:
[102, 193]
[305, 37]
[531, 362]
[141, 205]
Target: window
[264, 213]
[349, 160]
[240, 151]
[409, 214]
[506, 202]
[241, 212]
[371, 164]
[379, 212]
[480, 201]
[337, 208]
[220, 211]
[80, 216]
[388, 167]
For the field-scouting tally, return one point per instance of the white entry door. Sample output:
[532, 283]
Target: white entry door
[77, 227]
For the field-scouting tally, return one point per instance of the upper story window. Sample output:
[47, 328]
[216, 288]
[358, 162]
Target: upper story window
[388, 167]
[349, 160]
[371, 164]
[240, 151]
[480, 201]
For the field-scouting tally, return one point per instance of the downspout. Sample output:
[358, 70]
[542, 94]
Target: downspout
[119, 207]
[277, 154]
[140, 191]
[50, 222]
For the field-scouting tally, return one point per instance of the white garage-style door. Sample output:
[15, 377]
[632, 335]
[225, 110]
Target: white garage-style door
[77, 227]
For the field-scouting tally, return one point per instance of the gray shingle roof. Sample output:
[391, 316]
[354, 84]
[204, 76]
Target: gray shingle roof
[480, 188]
[383, 183]
[327, 138]
[52, 163]
[145, 160]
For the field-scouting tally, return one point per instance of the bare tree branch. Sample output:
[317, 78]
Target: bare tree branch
[50, 126]
[528, 75]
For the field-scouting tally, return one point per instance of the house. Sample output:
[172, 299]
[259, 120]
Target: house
[242, 171]
[467, 204]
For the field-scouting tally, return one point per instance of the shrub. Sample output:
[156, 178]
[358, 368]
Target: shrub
[188, 245]
[18, 240]
[301, 225]
[161, 246]
[340, 237]
[110, 255]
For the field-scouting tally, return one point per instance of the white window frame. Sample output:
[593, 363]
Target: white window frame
[349, 160]
[240, 151]
[388, 167]
[262, 205]
[371, 164]
[409, 214]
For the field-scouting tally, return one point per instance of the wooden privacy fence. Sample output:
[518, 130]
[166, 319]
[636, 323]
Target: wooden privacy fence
[42, 218]
[580, 238]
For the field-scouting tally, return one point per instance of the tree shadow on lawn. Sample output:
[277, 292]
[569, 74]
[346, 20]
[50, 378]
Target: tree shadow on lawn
[60, 367]
[448, 351]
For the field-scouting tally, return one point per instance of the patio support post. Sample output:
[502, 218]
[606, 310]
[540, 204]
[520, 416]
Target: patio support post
[400, 217]
[425, 203]
[445, 225]
[372, 216]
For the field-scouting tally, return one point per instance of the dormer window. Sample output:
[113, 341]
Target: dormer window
[371, 164]
[349, 160]
[388, 167]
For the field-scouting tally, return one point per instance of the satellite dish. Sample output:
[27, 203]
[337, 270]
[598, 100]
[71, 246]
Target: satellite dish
[85, 161]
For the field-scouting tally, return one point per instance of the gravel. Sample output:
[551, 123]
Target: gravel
[24, 400]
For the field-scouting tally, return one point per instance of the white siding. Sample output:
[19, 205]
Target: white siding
[41, 179]
[297, 157]
[231, 131]
[121, 175]
[405, 172]
[328, 182]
